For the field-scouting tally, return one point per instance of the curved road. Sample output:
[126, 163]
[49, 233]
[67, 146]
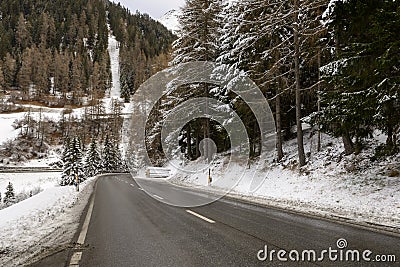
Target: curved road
[128, 227]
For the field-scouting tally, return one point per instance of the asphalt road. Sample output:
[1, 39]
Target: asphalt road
[129, 227]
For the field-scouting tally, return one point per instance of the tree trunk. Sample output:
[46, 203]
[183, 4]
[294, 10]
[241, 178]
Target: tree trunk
[40, 130]
[390, 128]
[389, 140]
[278, 111]
[207, 124]
[197, 145]
[278, 127]
[319, 101]
[300, 141]
[189, 142]
[348, 144]
[395, 132]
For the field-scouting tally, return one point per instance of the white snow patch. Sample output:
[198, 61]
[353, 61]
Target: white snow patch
[41, 224]
[113, 50]
[7, 131]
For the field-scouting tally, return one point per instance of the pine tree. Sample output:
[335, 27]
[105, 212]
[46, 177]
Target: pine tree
[120, 165]
[61, 77]
[42, 81]
[125, 91]
[200, 26]
[116, 118]
[9, 70]
[386, 44]
[93, 160]
[198, 41]
[97, 90]
[363, 33]
[72, 161]
[75, 78]
[2, 82]
[23, 35]
[9, 197]
[24, 79]
[111, 159]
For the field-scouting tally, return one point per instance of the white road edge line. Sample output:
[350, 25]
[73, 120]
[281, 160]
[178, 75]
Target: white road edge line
[200, 216]
[85, 226]
[158, 197]
[75, 259]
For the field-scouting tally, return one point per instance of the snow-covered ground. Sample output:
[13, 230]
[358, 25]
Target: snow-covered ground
[115, 91]
[26, 182]
[43, 223]
[331, 185]
[7, 131]
[52, 157]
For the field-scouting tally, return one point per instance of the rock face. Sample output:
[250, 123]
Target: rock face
[170, 20]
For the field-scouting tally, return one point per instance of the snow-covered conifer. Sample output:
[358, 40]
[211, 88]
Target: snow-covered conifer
[93, 161]
[110, 161]
[9, 197]
[72, 160]
[199, 31]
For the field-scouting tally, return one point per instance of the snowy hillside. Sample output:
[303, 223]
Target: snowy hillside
[170, 20]
[44, 210]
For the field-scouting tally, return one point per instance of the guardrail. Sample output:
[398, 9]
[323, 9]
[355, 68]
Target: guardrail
[27, 169]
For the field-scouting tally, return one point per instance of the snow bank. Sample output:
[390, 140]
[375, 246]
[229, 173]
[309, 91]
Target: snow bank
[331, 185]
[33, 226]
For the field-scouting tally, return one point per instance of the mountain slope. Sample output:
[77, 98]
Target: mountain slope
[55, 52]
[170, 20]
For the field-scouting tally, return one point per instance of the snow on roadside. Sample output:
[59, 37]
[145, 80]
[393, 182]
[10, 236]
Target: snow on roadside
[327, 186]
[33, 227]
